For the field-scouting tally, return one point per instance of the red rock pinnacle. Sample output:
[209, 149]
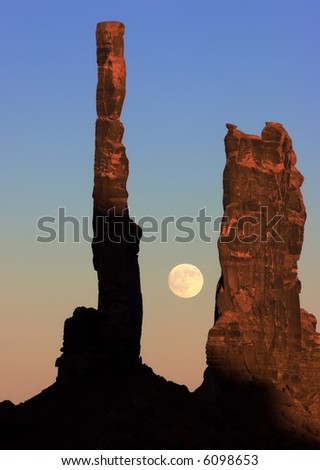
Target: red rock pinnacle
[98, 342]
[259, 331]
[111, 163]
[116, 237]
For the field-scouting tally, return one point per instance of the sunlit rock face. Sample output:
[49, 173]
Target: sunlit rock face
[116, 237]
[259, 331]
[98, 341]
[110, 163]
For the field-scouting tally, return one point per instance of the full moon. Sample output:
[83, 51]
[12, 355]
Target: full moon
[185, 280]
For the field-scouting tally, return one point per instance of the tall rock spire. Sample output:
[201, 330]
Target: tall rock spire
[111, 163]
[97, 342]
[116, 237]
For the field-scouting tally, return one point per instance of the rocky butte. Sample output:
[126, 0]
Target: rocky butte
[261, 386]
[257, 329]
[260, 333]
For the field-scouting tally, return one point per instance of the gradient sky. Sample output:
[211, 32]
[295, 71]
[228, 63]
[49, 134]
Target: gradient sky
[192, 66]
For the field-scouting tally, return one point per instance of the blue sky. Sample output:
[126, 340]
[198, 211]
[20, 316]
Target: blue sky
[192, 66]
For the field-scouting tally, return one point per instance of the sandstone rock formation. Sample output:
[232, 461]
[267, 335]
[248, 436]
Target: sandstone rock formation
[111, 163]
[96, 342]
[259, 331]
[261, 387]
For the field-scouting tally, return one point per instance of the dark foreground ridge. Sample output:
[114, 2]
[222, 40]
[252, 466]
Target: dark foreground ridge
[261, 386]
[140, 410]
